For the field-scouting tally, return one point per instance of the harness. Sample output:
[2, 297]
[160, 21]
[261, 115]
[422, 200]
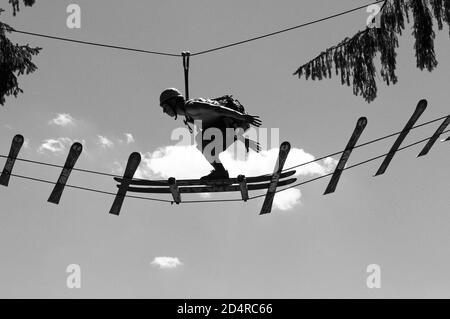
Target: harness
[187, 120]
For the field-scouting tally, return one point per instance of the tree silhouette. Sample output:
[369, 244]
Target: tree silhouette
[353, 58]
[14, 58]
[16, 4]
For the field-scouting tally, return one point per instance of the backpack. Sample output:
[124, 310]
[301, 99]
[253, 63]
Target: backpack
[231, 103]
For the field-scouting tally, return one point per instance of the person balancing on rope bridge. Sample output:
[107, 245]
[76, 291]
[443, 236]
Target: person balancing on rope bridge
[220, 113]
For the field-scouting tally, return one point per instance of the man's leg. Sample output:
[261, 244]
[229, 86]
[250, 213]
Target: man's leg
[211, 148]
[213, 152]
[218, 167]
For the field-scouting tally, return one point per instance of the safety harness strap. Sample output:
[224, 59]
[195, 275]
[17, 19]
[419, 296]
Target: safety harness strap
[186, 55]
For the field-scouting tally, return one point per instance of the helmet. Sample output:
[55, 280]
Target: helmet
[167, 94]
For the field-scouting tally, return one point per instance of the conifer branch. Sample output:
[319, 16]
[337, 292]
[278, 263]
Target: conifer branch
[353, 58]
[15, 60]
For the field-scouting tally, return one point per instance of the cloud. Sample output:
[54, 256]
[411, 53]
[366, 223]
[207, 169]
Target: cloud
[287, 199]
[26, 143]
[118, 168]
[166, 262]
[130, 138]
[63, 120]
[174, 161]
[187, 162]
[264, 162]
[58, 146]
[104, 142]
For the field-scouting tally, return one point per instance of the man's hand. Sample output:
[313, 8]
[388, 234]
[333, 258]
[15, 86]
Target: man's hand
[249, 144]
[253, 120]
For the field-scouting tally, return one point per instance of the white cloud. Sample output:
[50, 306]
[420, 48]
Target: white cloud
[118, 168]
[287, 199]
[130, 138]
[174, 161]
[166, 262]
[26, 143]
[58, 146]
[264, 163]
[63, 120]
[187, 162]
[105, 142]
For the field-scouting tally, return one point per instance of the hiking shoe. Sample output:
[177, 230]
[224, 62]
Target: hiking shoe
[215, 175]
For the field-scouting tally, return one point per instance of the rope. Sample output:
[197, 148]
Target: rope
[287, 169]
[200, 52]
[349, 167]
[88, 189]
[227, 200]
[95, 43]
[364, 144]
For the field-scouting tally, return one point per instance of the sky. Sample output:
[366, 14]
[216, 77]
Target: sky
[310, 246]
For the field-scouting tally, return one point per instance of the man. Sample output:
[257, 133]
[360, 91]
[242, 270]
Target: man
[212, 115]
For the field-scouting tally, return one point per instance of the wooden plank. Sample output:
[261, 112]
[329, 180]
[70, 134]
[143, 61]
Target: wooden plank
[16, 145]
[274, 182]
[435, 136]
[173, 186]
[192, 182]
[133, 162]
[204, 189]
[72, 158]
[421, 106]
[360, 126]
[243, 187]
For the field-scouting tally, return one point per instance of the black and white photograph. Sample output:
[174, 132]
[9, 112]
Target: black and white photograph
[224, 150]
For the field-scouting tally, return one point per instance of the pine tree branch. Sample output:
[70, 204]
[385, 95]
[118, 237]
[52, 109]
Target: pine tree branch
[353, 58]
[15, 60]
[16, 4]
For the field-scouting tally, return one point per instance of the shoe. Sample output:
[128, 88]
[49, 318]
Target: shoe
[214, 175]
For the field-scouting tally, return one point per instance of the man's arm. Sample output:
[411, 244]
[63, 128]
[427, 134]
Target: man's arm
[197, 108]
